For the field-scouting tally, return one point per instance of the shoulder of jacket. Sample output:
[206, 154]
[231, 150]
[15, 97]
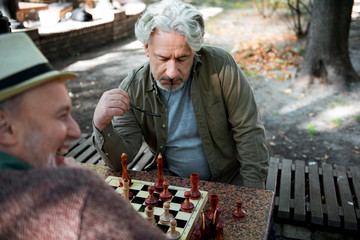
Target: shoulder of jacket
[135, 74]
[215, 51]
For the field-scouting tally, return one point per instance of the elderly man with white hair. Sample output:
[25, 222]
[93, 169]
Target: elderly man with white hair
[189, 102]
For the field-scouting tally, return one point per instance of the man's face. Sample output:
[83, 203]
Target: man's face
[170, 58]
[45, 125]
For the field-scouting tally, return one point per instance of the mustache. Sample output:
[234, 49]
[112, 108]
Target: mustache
[170, 79]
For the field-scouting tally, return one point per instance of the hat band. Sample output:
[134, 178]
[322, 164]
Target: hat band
[24, 75]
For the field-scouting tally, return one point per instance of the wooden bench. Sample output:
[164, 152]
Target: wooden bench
[320, 194]
[84, 151]
[306, 193]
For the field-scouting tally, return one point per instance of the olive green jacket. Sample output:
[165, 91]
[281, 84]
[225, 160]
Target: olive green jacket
[227, 118]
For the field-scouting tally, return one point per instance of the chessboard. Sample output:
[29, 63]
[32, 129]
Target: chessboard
[185, 221]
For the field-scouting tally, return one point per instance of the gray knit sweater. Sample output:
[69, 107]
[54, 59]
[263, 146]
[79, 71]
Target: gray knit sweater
[66, 203]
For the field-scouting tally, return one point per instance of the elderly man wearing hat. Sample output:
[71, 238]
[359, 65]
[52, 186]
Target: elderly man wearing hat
[41, 198]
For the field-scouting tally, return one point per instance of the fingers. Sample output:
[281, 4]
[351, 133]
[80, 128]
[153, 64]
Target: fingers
[115, 102]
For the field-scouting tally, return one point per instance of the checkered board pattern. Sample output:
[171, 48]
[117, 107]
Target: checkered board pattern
[185, 221]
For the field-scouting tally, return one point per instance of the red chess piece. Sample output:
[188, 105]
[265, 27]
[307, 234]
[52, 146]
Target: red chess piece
[194, 192]
[159, 182]
[124, 170]
[219, 231]
[187, 206]
[239, 212]
[166, 195]
[214, 200]
[197, 233]
[205, 226]
[151, 200]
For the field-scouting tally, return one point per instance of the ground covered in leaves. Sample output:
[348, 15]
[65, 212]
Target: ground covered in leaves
[319, 124]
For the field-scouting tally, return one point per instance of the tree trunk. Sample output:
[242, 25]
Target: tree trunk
[326, 53]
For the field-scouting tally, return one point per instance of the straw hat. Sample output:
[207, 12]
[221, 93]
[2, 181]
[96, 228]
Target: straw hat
[23, 66]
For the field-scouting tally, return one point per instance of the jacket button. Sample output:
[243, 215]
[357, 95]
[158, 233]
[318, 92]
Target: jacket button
[163, 126]
[161, 147]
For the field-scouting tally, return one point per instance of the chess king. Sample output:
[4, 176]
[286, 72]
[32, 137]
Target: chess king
[42, 194]
[189, 102]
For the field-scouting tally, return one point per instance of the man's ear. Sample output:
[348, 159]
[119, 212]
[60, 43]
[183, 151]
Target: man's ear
[7, 134]
[146, 47]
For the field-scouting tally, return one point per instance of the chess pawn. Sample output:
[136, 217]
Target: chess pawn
[219, 231]
[126, 190]
[124, 170]
[149, 212]
[151, 200]
[239, 213]
[166, 217]
[187, 206]
[159, 182]
[173, 234]
[166, 195]
[194, 192]
[214, 200]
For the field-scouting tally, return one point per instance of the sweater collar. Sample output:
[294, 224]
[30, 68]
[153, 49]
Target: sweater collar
[10, 162]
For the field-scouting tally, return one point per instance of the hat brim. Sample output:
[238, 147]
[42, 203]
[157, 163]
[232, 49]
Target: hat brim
[36, 81]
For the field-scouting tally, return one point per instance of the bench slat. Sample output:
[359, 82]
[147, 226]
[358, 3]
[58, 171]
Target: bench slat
[86, 155]
[145, 159]
[94, 159]
[355, 172]
[271, 181]
[346, 199]
[80, 148]
[330, 196]
[299, 191]
[315, 194]
[285, 188]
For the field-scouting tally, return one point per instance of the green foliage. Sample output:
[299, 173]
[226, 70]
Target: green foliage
[336, 122]
[357, 118]
[337, 102]
[340, 101]
[250, 73]
[311, 129]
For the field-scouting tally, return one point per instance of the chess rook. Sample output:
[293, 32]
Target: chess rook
[124, 170]
[194, 192]
[159, 182]
[214, 200]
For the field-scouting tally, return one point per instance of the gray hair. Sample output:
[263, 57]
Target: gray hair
[172, 16]
[11, 105]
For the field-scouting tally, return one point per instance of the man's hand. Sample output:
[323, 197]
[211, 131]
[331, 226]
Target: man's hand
[115, 102]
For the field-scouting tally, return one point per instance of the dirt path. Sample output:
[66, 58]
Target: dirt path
[320, 125]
